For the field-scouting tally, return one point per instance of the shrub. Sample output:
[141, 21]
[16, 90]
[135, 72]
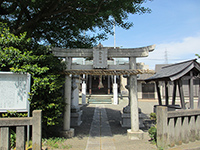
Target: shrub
[153, 116]
[153, 130]
[19, 54]
[12, 139]
[153, 133]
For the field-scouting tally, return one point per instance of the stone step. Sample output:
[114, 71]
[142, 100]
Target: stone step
[101, 96]
[100, 101]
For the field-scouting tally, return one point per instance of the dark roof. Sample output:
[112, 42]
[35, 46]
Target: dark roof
[175, 71]
[142, 77]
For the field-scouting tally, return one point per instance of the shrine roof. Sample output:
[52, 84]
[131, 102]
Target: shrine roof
[176, 71]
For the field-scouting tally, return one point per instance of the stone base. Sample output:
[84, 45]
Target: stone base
[76, 114]
[76, 118]
[139, 135]
[68, 133]
[126, 119]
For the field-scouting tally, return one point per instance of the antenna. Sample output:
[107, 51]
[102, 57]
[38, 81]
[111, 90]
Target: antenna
[166, 57]
[115, 79]
[115, 86]
[114, 33]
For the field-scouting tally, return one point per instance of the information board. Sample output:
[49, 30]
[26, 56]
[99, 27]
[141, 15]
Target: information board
[14, 92]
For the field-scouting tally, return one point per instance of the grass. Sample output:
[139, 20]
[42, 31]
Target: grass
[55, 143]
[49, 144]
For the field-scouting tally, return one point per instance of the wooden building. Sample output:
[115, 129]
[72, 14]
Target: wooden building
[185, 76]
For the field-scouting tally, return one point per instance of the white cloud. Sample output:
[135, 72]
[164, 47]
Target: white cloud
[183, 49]
[175, 51]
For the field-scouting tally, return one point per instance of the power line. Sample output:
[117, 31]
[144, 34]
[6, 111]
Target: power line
[161, 59]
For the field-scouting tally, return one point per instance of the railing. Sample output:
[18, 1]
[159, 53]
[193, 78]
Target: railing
[20, 124]
[177, 127]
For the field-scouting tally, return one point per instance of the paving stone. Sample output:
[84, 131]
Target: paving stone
[100, 129]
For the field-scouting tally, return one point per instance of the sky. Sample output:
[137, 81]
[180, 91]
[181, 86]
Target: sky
[173, 25]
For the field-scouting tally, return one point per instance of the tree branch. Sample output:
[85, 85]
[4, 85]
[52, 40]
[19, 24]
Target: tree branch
[9, 10]
[25, 10]
[98, 9]
[32, 22]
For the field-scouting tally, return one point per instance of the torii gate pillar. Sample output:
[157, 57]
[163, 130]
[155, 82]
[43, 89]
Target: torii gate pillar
[134, 133]
[67, 131]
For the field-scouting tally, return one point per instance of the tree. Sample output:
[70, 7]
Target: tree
[62, 22]
[19, 54]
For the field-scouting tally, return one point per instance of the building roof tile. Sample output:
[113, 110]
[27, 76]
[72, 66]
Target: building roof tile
[175, 71]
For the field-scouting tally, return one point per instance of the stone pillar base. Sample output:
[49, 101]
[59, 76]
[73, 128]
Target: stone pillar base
[139, 135]
[76, 118]
[126, 117]
[68, 133]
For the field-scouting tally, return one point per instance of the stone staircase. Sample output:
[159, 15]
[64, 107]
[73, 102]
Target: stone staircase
[100, 99]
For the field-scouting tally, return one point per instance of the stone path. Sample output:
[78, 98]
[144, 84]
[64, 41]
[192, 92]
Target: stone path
[100, 137]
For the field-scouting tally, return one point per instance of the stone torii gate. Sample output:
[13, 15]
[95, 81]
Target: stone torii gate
[100, 56]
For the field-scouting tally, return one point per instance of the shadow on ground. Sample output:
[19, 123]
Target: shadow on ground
[114, 118]
[87, 117]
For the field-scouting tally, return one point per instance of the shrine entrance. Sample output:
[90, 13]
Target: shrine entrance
[98, 88]
[101, 84]
[100, 56]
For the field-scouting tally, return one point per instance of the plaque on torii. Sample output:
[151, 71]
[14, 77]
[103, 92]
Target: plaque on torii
[100, 57]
